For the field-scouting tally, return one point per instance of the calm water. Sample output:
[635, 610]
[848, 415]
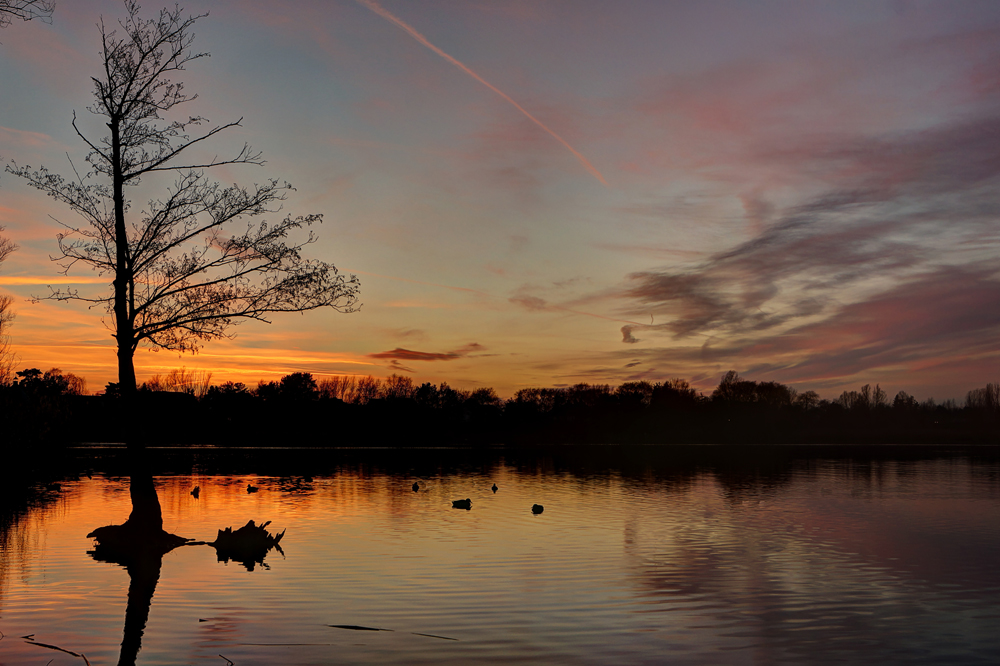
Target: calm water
[815, 559]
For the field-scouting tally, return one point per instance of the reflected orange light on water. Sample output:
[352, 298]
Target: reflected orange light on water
[617, 569]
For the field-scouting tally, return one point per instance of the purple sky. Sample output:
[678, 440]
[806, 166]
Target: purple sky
[548, 192]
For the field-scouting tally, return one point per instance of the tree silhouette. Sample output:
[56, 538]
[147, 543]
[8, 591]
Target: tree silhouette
[25, 10]
[7, 359]
[180, 274]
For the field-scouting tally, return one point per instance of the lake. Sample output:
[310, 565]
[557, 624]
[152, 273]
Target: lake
[642, 555]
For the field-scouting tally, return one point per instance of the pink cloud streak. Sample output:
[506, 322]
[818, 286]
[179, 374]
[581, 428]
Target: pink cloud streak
[381, 11]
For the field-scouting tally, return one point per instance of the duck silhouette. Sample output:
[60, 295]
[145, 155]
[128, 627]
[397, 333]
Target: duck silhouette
[495, 487]
[416, 486]
[251, 489]
[537, 509]
[462, 504]
[195, 492]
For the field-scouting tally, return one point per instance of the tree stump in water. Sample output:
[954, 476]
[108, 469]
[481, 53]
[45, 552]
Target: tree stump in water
[248, 545]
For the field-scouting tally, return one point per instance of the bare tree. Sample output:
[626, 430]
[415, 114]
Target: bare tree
[180, 275]
[7, 357]
[25, 10]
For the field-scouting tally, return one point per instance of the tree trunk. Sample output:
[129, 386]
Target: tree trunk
[124, 332]
[146, 514]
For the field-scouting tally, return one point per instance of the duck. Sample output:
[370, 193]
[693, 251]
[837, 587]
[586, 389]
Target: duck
[416, 486]
[495, 487]
[462, 504]
[537, 509]
[195, 491]
[252, 489]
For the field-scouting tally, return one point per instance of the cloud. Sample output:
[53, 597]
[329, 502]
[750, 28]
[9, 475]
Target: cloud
[381, 11]
[627, 335]
[936, 330]
[900, 205]
[16, 137]
[884, 270]
[53, 279]
[533, 303]
[414, 333]
[400, 354]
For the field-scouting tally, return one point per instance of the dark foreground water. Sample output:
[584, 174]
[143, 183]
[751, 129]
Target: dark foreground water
[640, 557]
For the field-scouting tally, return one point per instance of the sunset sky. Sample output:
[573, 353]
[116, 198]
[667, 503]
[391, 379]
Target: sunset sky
[546, 192]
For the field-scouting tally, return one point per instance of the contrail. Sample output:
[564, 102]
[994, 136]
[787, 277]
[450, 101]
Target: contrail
[381, 11]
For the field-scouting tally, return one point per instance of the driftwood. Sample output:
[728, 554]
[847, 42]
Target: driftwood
[31, 641]
[357, 627]
[248, 545]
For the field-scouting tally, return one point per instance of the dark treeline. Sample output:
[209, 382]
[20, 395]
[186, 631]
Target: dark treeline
[184, 408]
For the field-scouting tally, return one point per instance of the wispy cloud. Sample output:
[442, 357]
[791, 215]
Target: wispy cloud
[400, 354]
[891, 270]
[900, 205]
[410, 30]
[525, 299]
[56, 279]
[16, 137]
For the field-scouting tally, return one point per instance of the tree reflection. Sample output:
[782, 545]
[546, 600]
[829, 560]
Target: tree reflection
[139, 545]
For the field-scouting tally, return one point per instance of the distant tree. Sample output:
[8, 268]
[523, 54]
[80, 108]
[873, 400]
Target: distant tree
[367, 389]
[25, 10]
[635, 394]
[904, 401]
[427, 395]
[774, 394]
[180, 380]
[338, 388]
[733, 388]
[50, 383]
[180, 274]
[485, 397]
[228, 389]
[865, 399]
[807, 400]
[589, 395]
[538, 399]
[674, 394]
[397, 387]
[985, 399]
[452, 399]
[852, 400]
[298, 386]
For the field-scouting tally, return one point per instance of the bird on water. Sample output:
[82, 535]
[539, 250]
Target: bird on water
[416, 486]
[462, 504]
[537, 509]
[251, 489]
[195, 492]
[495, 487]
